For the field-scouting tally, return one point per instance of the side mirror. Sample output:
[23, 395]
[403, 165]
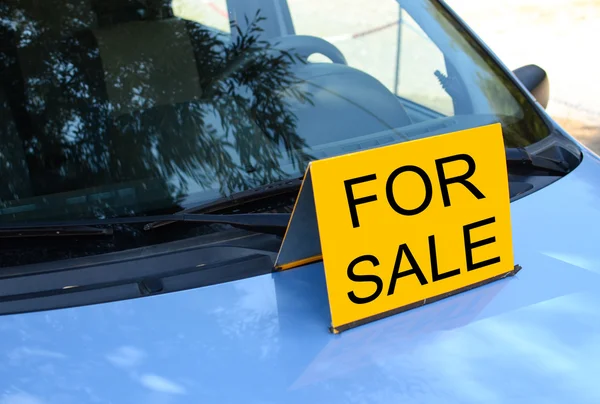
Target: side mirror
[535, 79]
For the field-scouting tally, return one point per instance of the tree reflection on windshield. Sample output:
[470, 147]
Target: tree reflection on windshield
[117, 118]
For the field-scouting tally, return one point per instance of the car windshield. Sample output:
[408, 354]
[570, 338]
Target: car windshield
[130, 107]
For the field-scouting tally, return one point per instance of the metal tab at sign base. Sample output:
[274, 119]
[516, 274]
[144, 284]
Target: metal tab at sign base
[301, 244]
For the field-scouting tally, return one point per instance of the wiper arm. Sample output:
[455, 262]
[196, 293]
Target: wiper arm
[520, 158]
[268, 191]
[269, 223]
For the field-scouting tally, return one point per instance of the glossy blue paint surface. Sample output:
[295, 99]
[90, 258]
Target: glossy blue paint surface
[532, 338]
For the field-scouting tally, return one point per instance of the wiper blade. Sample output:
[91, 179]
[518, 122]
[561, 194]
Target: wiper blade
[269, 223]
[520, 158]
[59, 231]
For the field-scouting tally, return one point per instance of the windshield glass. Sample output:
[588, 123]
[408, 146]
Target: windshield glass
[132, 107]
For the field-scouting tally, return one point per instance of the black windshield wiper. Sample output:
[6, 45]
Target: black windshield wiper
[57, 231]
[520, 159]
[269, 223]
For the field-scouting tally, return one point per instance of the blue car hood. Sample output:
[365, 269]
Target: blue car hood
[531, 338]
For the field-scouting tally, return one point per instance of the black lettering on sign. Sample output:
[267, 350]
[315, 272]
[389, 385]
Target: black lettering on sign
[461, 179]
[389, 189]
[435, 274]
[353, 203]
[469, 246]
[364, 278]
[414, 270]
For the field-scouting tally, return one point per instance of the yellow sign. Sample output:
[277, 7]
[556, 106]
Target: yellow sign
[410, 223]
